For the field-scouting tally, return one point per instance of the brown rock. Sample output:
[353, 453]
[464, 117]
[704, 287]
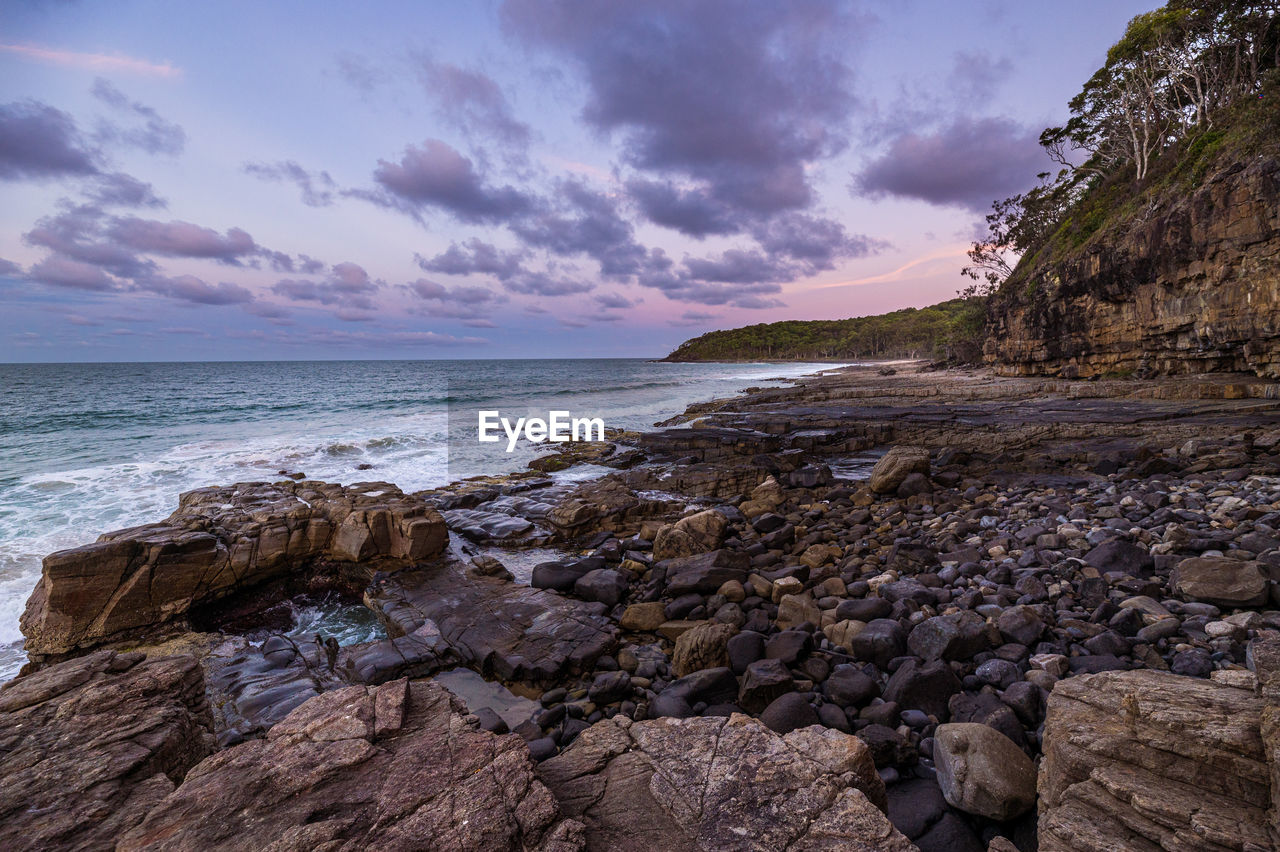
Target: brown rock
[727, 784]
[1152, 760]
[135, 581]
[689, 536]
[983, 772]
[1221, 581]
[896, 465]
[348, 770]
[702, 647]
[89, 746]
[643, 617]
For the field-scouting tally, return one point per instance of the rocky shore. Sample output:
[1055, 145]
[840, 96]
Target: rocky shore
[881, 609]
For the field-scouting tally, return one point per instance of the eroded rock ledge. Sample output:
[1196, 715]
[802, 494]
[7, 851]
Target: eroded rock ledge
[1148, 760]
[220, 541]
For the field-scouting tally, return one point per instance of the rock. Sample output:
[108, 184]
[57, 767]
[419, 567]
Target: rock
[888, 747]
[950, 637]
[788, 712]
[1020, 624]
[220, 541]
[915, 805]
[633, 783]
[864, 609]
[764, 681]
[794, 610]
[705, 572]
[927, 687]
[528, 634]
[691, 535]
[981, 771]
[643, 617]
[1119, 555]
[895, 466]
[879, 642]
[603, 585]
[397, 766]
[609, 687]
[1152, 760]
[789, 646]
[849, 686]
[1221, 581]
[744, 649]
[562, 576]
[89, 746]
[482, 526]
[703, 647]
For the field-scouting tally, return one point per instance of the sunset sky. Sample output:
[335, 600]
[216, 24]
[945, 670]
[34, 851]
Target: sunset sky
[562, 178]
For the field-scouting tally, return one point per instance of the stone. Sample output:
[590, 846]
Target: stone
[1119, 555]
[895, 466]
[789, 646]
[335, 769]
[703, 647]
[950, 637]
[864, 609]
[879, 642]
[982, 772]
[562, 576]
[691, 535]
[744, 649]
[764, 681]
[794, 610]
[927, 687]
[705, 572]
[603, 585]
[1153, 760]
[789, 712]
[721, 783]
[643, 617]
[1221, 581]
[1020, 624]
[849, 686]
[89, 746]
[609, 687]
[220, 541]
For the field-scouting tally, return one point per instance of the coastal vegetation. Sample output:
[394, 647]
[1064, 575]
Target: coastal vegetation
[938, 331]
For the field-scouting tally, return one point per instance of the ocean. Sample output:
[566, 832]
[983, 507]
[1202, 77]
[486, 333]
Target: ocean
[87, 448]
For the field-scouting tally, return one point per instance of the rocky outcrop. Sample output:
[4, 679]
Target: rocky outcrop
[398, 766]
[220, 541]
[89, 746]
[433, 617]
[1148, 760]
[721, 783]
[1193, 285]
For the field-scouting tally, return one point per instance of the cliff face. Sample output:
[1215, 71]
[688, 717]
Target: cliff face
[1189, 285]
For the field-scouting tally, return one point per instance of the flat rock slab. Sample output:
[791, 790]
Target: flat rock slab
[721, 783]
[89, 746]
[494, 626]
[398, 766]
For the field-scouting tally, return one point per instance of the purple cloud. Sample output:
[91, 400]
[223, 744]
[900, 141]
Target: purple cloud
[188, 288]
[39, 142]
[474, 103]
[347, 286]
[183, 239]
[155, 136]
[61, 271]
[318, 188]
[969, 163]
[474, 256]
[436, 175]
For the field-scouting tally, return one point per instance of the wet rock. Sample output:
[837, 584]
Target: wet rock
[432, 778]
[631, 783]
[562, 576]
[603, 585]
[609, 687]
[981, 771]
[89, 746]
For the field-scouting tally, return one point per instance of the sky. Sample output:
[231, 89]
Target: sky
[525, 178]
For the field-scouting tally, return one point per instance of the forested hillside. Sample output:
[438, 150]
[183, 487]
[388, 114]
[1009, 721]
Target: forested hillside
[936, 331]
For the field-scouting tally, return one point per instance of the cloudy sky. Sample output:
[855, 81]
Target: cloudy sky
[527, 178]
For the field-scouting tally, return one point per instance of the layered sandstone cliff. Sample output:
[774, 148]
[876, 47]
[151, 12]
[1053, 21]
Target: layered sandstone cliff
[1189, 283]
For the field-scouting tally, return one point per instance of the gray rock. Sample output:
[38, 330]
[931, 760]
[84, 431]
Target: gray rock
[981, 771]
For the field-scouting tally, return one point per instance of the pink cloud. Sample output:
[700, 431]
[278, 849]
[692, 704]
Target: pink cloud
[93, 61]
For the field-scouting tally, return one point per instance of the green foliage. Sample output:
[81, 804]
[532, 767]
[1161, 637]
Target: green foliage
[932, 332]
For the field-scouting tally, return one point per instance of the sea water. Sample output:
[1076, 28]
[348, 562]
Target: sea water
[87, 448]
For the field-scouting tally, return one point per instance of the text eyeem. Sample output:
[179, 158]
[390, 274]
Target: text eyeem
[559, 427]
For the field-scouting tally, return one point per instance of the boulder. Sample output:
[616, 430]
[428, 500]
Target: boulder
[950, 637]
[764, 681]
[89, 746]
[133, 582]
[603, 585]
[1221, 581]
[896, 466]
[706, 572]
[690, 535]
[788, 712]
[926, 687]
[682, 785]
[982, 772]
[643, 617]
[399, 766]
[703, 647]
